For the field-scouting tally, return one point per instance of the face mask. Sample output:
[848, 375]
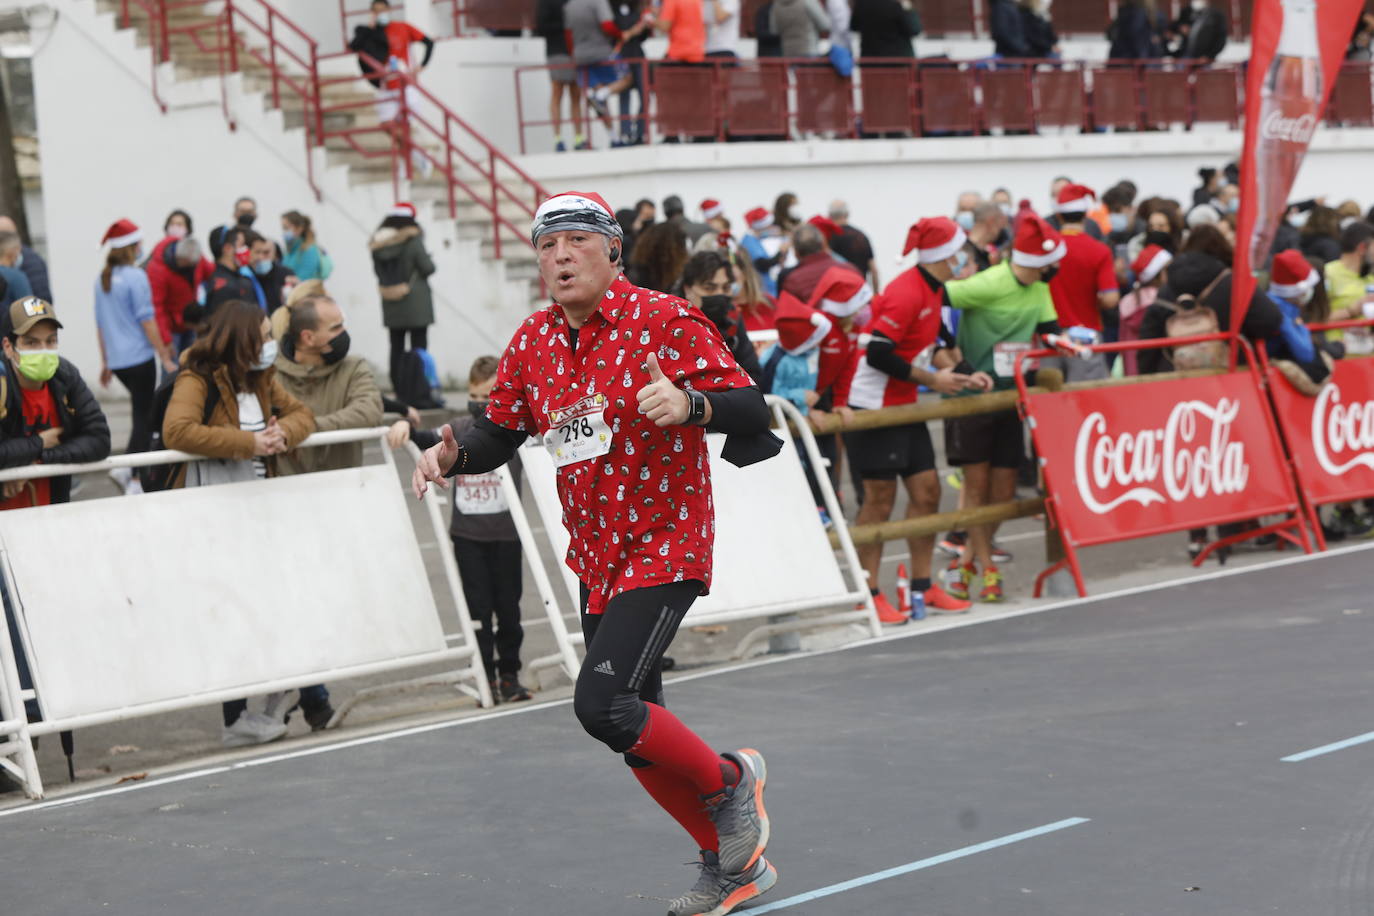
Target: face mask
[959, 263]
[794, 213]
[176, 231]
[267, 356]
[1299, 219]
[1118, 221]
[383, 20]
[478, 407]
[965, 219]
[338, 349]
[37, 365]
[288, 236]
[1234, 205]
[246, 219]
[1049, 273]
[243, 256]
[262, 268]
[1006, 210]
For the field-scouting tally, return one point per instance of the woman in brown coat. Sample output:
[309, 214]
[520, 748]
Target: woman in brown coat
[250, 419]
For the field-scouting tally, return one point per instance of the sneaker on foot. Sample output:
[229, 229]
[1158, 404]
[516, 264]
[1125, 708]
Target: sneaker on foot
[717, 893]
[560, 147]
[959, 578]
[737, 811]
[1000, 554]
[942, 602]
[886, 612]
[252, 728]
[952, 544]
[511, 690]
[992, 586]
[317, 717]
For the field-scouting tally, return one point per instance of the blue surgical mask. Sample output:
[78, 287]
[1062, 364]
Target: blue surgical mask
[267, 356]
[965, 219]
[1118, 221]
[960, 261]
[262, 268]
[288, 236]
[1006, 210]
[19, 260]
[383, 19]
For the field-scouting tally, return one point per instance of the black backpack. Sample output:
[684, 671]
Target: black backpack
[160, 476]
[412, 382]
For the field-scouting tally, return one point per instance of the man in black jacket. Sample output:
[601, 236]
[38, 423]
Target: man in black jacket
[229, 248]
[1203, 30]
[885, 27]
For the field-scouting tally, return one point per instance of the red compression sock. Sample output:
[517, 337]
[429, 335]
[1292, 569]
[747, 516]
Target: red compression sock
[668, 743]
[679, 797]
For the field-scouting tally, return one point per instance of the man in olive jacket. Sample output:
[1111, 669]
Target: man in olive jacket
[315, 367]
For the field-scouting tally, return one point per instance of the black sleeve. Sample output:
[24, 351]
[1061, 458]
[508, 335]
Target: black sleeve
[744, 353]
[738, 410]
[429, 50]
[424, 438]
[17, 451]
[90, 439]
[1047, 327]
[392, 406]
[485, 447]
[882, 355]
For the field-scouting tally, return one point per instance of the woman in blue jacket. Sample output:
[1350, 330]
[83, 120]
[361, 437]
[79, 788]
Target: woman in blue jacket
[303, 255]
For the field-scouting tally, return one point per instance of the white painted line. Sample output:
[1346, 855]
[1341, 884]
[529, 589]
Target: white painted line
[1328, 748]
[931, 625]
[918, 865]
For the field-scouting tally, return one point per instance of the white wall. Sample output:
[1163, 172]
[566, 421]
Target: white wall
[889, 184]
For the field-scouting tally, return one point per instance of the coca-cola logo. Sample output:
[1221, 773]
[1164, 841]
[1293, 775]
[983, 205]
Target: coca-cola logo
[1290, 130]
[1338, 428]
[1191, 457]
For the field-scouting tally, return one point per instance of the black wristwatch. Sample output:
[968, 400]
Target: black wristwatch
[696, 408]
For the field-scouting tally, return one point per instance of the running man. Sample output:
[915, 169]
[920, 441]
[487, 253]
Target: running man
[621, 384]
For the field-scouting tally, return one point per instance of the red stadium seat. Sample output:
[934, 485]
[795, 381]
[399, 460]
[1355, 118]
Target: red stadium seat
[947, 101]
[825, 100]
[685, 100]
[1059, 96]
[1114, 98]
[497, 14]
[1216, 95]
[1007, 101]
[1166, 97]
[947, 17]
[889, 99]
[755, 99]
[1081, 17]
[1352, 103]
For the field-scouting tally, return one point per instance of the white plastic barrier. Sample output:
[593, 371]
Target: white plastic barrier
[772, 554]
[130, 607]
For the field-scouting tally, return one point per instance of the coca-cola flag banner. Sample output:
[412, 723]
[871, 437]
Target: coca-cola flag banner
[1165, 456]
[1331, 436]
[1296, 49]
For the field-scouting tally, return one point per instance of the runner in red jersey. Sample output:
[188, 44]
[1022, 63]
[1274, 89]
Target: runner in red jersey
[892, 361]
[621, 383]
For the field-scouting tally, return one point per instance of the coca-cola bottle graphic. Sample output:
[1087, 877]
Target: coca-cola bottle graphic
[1290, 102]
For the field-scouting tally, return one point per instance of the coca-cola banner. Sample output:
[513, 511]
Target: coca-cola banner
[1296, 48]
[1160, 456]
[1331, 436]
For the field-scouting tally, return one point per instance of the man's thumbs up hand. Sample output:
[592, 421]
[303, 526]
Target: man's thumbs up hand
[660, 400]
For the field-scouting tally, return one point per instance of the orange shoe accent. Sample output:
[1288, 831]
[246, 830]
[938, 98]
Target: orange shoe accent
[959, 578]
[937, 599]
[992, 586]
[748, 892]
[886, 612]
[760, 781]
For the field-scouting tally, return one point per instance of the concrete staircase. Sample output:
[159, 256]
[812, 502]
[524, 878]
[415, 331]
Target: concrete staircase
[195, 36]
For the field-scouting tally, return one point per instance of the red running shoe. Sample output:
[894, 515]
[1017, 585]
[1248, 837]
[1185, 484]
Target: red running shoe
[942, 602]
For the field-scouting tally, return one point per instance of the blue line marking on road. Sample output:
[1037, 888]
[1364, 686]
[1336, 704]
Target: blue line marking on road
[916, 866]
[1328, 748]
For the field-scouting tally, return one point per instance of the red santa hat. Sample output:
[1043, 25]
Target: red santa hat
[121, 234]
[1292, 275]
[1075, 198]
[829, 228]
[759, 219]
[711, 208]
[402, 208]
[934, 238]
[1150, 262]
[842, 292]
[1037, 243]
[800, 327]
[575, 210]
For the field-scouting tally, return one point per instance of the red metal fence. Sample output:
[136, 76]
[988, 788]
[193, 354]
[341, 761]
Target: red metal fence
[775, 98]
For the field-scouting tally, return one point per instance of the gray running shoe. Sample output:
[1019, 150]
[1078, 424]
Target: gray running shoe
[741, 823]
[717, 893]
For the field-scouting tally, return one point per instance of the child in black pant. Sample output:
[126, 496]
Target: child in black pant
[486, 546]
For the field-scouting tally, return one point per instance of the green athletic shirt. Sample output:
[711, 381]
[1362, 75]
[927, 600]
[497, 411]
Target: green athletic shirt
[997, 308]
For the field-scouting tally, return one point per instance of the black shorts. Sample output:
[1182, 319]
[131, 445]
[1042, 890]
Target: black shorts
[992, 438]
[890, 451]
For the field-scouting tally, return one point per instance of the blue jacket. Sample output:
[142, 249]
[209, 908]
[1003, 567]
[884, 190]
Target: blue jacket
[792, 376]
[305, 261]
[1293, 340]
[16, 284]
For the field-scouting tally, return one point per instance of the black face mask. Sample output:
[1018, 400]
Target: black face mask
[478, 408]
[339, 349]
[1049, 273]
[246, 219]
[718, 309]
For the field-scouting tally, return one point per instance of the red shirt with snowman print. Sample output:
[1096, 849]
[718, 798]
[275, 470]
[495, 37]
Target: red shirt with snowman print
[638, 507]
